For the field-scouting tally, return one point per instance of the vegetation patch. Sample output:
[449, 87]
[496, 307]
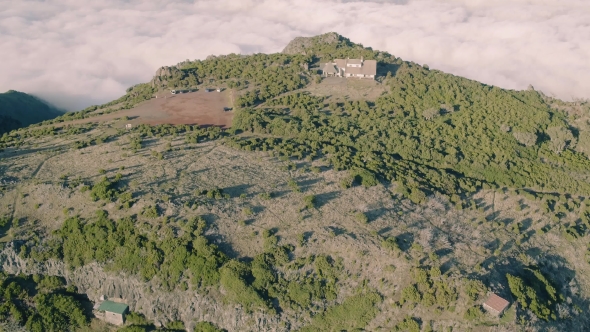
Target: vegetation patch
[353, 313]
[40, 303]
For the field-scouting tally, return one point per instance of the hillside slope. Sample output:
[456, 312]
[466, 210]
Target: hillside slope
[18, 109]
[322, 208]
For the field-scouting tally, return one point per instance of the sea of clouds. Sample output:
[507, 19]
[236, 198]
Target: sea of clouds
[75, 53]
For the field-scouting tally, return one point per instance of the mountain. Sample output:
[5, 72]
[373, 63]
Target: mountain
[330, 204]
[18, 109]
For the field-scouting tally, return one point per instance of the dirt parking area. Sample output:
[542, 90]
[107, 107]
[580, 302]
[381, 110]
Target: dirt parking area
[202, 108]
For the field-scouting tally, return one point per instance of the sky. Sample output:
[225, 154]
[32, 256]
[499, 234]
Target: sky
[77, 53]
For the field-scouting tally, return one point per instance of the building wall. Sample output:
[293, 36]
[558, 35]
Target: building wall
[113, 318]
[491, 310]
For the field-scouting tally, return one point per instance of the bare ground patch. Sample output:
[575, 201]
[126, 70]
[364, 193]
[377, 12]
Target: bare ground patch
[339, 89]
[202, 108]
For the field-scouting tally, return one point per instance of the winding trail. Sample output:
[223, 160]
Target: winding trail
[17, 187]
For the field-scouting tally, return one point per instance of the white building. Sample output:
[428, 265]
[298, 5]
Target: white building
[359, 68]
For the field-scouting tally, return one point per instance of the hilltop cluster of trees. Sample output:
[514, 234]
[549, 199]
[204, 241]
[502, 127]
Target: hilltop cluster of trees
[263, 75]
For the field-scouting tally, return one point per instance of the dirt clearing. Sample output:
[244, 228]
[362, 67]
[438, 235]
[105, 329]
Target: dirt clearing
[202, 108]
[339, 89]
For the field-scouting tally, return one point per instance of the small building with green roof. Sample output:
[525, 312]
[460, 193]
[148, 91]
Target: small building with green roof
[112, 312]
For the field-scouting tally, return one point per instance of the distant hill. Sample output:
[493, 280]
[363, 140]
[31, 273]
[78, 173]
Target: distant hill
[18, 109]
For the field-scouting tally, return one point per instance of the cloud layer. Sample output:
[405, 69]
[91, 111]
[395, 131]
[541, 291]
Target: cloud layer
[75, 53]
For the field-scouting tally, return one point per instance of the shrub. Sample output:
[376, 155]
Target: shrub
[361, 217]
[234, 276]
[150, 211]
[265, 195]
[534, 292]
[126, 199]
[247, 211]
[4, 221]
[408, 324]
[365, 177]
[294, 186]
[473, 313]
[157, 155]
[215, 193]
[417, 196]
[310, 201]
[347, 182]
[301, 239]
[104, 190]
[526, 139]
[353, 314]
[411, 294]
[391, 244]
[176, 325]
[206, 327]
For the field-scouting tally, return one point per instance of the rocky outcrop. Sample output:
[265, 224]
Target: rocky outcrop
[145, 297]
[164, 75]
[300, 44]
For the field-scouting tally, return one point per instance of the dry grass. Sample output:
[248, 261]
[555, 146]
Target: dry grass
[468, 242]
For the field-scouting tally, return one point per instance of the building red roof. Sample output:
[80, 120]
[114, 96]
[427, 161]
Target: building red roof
[497, 303]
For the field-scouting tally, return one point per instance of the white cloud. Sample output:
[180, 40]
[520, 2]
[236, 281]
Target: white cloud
[78, 53]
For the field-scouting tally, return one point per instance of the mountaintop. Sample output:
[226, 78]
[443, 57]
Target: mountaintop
[299, 45]
[263, 196]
